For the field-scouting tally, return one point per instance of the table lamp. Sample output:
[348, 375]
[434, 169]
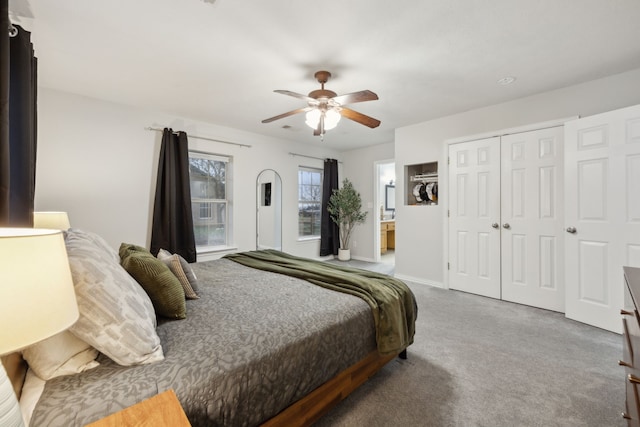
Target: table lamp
[37, 299]
[52, 220]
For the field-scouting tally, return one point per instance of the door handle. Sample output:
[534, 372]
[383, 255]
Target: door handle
[506, 225]
[495, 225]
[571, 230]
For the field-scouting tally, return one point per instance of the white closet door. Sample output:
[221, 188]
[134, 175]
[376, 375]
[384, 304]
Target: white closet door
[532, 218]
[474, 217]
[602, 204]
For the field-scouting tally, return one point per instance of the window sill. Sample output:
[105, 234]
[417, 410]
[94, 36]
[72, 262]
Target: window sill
[213, 253]
[308, 239]
[215, 249]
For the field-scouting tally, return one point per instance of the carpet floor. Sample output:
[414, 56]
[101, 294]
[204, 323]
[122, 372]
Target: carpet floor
[378, 267]
[478, 361]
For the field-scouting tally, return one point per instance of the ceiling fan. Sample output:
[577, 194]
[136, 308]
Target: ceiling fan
[325, 107]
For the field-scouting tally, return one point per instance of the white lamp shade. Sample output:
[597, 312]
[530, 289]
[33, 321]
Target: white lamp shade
[37, 298]
[52, 220]
[331, 119]
[312, 118]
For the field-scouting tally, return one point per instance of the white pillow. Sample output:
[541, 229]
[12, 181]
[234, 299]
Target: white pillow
[31, 391]
[116, 315]
[61, 354]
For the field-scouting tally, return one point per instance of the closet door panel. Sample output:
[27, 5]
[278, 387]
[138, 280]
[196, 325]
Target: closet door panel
[532, 187]
[593, 261]
[484, 255]
[593, 186]
[632, 186]
[474, 244]
[602, 203]
[549, 262]
[518, 259]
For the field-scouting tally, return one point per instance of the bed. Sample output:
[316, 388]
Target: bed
[255, 348]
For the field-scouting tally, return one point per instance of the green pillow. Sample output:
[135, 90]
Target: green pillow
[162, 286]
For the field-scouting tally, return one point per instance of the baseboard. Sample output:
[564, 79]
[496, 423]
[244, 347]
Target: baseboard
[420, 281]
[361, 258]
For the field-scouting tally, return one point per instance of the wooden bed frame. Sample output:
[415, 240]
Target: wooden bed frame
[304, 412]
[310, 408]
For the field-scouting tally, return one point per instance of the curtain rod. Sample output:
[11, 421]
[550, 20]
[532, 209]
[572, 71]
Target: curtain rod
[309, 157]
[202, 137]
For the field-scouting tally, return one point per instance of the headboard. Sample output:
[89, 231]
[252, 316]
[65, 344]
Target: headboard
[16, 369]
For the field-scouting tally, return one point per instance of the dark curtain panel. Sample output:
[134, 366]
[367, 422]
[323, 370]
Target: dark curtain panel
[329, 231]
[23, 126]
[19, 123]
[172, 228]
[4, 113]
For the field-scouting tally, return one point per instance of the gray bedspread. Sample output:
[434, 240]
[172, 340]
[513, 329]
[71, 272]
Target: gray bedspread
[254, 343]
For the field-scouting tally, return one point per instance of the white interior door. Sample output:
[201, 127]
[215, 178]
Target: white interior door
[474, 217]
[532, 218]
[602, 212]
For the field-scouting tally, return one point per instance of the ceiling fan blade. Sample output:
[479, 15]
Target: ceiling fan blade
[287, 114]
[359, 117]
[295, 95]
[352, 98]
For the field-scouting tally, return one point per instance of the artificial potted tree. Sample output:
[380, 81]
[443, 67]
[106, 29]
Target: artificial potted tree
[345, 208]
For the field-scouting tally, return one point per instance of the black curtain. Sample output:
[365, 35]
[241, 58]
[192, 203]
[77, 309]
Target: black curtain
[172, 228]
[329, 231]
[4, 113]
[18, 122]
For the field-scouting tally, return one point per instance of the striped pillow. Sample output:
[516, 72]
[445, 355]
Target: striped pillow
[186, 268]
[173, 262]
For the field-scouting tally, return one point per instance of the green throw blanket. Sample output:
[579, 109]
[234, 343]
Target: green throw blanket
[392, 302]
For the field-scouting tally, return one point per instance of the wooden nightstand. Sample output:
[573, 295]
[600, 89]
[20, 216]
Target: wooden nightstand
[159, 411]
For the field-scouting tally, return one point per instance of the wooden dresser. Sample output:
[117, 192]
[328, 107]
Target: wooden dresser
[631, 345]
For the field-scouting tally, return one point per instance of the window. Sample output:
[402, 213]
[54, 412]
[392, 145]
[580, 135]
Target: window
[209, 199]
[309, 202]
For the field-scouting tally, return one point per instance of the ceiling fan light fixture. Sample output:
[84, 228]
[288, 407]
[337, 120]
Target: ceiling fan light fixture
[331, 118]
[324, 108]
[312, 118]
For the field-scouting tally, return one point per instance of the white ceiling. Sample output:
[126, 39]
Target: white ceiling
[219, 61]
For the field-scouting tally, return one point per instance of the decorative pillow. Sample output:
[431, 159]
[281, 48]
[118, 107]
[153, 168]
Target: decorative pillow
[61, 354]
[173, 262]
[162, 286]
[116, 315]
[31, 391]
[188, 271]
[95, 239]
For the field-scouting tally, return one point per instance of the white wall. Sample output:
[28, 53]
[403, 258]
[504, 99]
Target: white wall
[97, 162]
[359, 168]
[420, 234]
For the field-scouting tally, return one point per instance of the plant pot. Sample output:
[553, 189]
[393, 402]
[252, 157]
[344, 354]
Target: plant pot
[344, 254]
